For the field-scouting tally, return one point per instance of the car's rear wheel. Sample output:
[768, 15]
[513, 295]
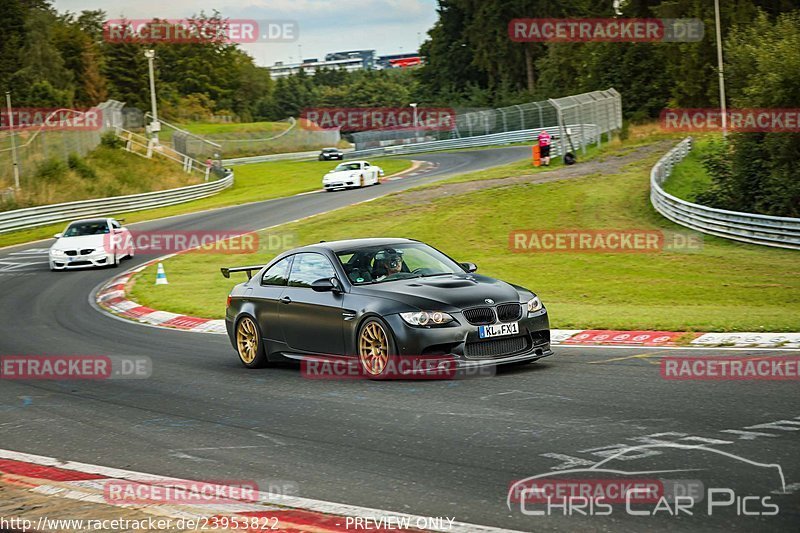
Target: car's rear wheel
[249, 344]
[375, 348]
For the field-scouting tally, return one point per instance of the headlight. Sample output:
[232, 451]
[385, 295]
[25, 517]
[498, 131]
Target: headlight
[427, 318]
[534, 304]
[56, 252]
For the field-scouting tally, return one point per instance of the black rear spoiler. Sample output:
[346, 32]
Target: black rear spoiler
[249, 269]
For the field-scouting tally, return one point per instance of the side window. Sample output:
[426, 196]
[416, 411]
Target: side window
[115, 224]
[277, 274]
[308, 268]
[366, 165]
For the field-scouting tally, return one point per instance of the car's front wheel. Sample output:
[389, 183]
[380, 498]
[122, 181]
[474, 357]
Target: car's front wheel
[375, 348]
[249, 344]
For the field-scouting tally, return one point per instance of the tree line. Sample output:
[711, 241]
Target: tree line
[62, 59]
[51, 59]
[470, 60]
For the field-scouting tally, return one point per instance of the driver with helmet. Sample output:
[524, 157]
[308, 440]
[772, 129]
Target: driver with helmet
[387, 263]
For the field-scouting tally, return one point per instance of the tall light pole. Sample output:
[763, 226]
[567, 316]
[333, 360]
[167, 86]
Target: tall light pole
[155, 126]
[14, 162]
[720, 68]
[414, 107]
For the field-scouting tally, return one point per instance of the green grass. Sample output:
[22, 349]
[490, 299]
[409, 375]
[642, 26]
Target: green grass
[689, 178]
[205, 129]
[103, 172]
[231, 130]
[726, 286]
[255, 182]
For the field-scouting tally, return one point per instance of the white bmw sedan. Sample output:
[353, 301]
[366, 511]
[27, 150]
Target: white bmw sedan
[91, 243]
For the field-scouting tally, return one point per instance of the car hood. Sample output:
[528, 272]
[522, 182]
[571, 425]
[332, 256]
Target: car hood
[445, 293]
[76, 243]
[342, 174]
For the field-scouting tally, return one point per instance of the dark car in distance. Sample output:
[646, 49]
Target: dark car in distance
[328, 154]
[371, 300]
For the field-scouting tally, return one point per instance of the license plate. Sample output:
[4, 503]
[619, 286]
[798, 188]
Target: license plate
[498, 330]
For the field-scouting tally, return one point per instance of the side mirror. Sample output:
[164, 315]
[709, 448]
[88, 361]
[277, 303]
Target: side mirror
[326, 285]
[469, 267]
[58, 235]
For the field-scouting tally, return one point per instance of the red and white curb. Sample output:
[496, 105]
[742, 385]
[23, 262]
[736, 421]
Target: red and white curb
[85, 482]
[112, 298]
[677, 338]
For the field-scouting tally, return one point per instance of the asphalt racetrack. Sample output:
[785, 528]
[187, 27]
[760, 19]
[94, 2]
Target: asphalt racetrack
[432, 448]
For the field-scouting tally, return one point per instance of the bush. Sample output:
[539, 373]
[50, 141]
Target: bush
[110, 140]
[51, 170]
[76, 163]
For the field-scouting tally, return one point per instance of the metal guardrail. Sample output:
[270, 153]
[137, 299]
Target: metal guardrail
[507, 137]
[781, 232]
[32, 217]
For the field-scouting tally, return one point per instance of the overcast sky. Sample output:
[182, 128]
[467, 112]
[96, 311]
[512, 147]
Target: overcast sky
[388, 26]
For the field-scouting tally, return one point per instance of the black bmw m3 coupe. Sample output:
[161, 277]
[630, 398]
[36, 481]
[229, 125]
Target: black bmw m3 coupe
[377, 301]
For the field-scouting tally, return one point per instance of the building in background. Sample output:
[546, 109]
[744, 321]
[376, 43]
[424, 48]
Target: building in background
[349, 61]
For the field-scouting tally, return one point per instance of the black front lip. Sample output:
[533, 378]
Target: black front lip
[453, 362]
[450, 341]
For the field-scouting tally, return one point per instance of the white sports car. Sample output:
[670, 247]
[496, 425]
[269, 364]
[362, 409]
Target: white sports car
[352, 174]
[91, 243]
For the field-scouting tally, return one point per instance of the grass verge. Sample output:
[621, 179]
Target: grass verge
[105, 171]
[689, 177]
[253, 183]
[725, 286]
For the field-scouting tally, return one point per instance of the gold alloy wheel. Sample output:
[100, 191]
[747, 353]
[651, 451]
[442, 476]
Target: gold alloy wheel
[247, 340]
[373, 348]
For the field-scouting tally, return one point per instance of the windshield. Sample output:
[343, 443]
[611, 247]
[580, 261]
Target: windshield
[330, 150]
[347, 166]
[378, 264]
[81, 229]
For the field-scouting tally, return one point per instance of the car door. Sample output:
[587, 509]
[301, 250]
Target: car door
[266, 295]
[370, 175]
[121, 238]
[311, 321]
